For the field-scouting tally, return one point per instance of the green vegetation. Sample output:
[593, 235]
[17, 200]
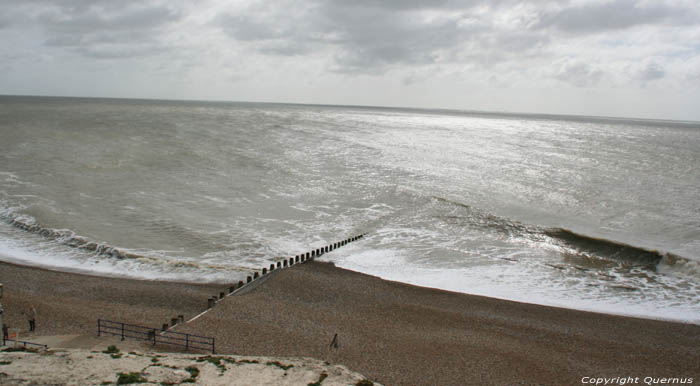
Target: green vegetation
[247, 361]
[216, 361]
[128, 378]
[213, 360]
[321, 377]
[116, 356]
[5, 362]
[281, 366]
[364, 382]
[194, 373]
[111, 350]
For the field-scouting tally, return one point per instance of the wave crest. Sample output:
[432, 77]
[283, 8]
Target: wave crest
[71, 239]
[573, 243]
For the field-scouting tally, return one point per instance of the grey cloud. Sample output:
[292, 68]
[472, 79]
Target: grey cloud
[649, 70]
[91, 19]
[284, 48]
[100, 29]
[401, 4]
[119, 52]
[652, 72]
[370, 36]
[376, 41]
[516, 42]
[616, 15]
[577, 73]
[262, 22]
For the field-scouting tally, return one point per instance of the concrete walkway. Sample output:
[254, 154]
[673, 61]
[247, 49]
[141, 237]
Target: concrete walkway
[89, 342]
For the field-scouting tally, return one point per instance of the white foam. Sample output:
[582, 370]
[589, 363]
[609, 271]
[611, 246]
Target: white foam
[510, 281]
[46, 254]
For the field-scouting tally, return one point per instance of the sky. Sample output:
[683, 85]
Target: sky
[625, 58]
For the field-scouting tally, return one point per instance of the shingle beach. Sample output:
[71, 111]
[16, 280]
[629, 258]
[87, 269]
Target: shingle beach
[393, 333]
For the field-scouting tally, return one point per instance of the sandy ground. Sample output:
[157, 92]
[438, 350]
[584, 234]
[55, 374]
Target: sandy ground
[392, 333]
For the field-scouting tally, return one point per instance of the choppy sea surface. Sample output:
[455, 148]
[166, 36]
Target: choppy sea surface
[579, 212]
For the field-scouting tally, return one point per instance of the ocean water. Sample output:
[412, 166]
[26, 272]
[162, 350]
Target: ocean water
[580, 212]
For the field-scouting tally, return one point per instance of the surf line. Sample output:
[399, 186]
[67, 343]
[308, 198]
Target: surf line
[263, 274]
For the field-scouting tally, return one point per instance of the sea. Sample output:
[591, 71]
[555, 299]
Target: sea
[589, 213]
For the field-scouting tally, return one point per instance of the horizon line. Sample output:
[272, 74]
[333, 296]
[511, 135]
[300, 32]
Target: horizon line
[386, 107]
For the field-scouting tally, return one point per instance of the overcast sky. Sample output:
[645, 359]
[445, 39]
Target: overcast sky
[612, 57]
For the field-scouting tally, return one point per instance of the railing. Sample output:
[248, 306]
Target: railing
[23, 343]
[153, 335]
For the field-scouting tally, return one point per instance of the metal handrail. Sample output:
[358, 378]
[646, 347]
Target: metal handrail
[174, 338]
[24, 343]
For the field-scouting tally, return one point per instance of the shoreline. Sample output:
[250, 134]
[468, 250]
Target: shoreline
[392, 332]
[544, 303]
[7, 259]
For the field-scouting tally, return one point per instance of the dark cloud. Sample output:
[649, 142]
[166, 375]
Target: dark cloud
[617, 15]
[512, 42]
[96, 18]
[100, 29]
[370, 35]
[397, 4]
[369, 41]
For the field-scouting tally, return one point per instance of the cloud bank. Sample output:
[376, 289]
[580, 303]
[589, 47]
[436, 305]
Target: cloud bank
[391, 52]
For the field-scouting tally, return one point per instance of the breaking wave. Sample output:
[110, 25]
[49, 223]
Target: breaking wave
[71, 239]
[569, 242]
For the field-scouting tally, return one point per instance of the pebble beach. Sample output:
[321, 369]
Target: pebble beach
[392, 333]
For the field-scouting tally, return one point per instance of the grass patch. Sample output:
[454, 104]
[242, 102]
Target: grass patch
[321, 377]
[111, 350]
[127, 378]
[216, 361]
[135, 353]
[116, 356]
[364, 382]
[5, 362]
[194, 373]
[281, 366]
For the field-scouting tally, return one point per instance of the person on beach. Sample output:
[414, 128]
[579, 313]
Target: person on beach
[31, 316]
